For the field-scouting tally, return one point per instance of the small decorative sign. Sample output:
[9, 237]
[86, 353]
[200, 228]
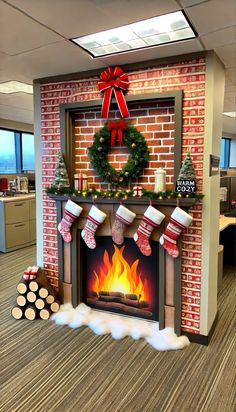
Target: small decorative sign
[186, 186]
[214, 165]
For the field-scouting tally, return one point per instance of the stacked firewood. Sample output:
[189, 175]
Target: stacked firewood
[36, 297]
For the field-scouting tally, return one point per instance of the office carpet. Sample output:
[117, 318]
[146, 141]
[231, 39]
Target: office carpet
[49, 368]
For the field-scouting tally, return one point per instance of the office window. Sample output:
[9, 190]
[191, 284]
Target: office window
[16, 151]
[27, 144]
[224, 153]
[7, 152]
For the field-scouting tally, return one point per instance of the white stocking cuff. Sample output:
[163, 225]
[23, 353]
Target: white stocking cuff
[73, 208]
[97, 214]
[182, 217]
[154, 215]
[125, 213]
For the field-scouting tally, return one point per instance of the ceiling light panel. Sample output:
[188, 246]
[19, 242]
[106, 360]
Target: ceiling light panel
[15, 87]
[151, 32]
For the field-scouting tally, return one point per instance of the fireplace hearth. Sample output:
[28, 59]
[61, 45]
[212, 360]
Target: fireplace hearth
[165, 302]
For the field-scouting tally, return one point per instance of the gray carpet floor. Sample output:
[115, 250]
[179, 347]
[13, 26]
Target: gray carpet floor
[49, 368]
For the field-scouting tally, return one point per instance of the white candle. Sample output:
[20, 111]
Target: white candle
[160, 180]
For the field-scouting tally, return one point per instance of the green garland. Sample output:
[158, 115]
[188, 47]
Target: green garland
[121, 194]
[139, 156]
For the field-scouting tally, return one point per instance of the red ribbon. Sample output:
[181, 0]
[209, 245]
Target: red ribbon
[113, 80]
[116, 128]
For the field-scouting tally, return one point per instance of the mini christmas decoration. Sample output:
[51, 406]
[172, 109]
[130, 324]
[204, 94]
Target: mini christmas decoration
[71, 212]
[123, 218]
[95, 218]
[113, 80]
[186, 182]
[80, 181]
[116, 129]
[179, 221]
[137, 191]
[61, 176]
[160, 180]
[31, 273]
[29, 303]
[152, 219]
[138, 159]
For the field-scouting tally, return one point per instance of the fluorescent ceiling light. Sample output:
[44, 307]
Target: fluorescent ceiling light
[15, 87]
[159, 30]
[230, 114]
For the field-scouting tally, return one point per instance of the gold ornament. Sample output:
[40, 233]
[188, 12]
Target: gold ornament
[126, 174]
[101, 140]
[179, 195]
[84, 194]
[99, 149]
[133, 145]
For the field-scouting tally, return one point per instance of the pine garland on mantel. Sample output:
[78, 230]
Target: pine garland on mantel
[121, 194]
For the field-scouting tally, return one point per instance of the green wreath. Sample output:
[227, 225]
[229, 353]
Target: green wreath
[139, 156]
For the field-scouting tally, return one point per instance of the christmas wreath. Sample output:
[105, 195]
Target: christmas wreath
[139, 155]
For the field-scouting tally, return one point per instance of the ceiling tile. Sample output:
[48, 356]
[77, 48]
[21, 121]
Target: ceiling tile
[189, 3]
[59, 58]
[231, 74]
[73, 18]
[213, 15]
[19, 33]
[227, 54]
[219, 38]
[16, 113]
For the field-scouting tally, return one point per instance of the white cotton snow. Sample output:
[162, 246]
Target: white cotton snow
[102, 323]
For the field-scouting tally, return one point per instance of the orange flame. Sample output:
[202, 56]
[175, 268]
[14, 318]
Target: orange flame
[118, 276]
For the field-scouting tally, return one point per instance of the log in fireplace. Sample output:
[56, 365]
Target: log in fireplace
[164, 298]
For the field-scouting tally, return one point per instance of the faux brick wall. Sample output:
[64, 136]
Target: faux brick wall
[155, 122]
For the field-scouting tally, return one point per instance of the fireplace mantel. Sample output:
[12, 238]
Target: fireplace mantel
[69, 253]
[185, 203]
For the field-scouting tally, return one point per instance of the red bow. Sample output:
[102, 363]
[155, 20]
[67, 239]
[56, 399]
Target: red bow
[113, 80]
[116, 127]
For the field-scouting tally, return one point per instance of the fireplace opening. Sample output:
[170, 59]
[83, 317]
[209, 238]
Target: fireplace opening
[120, 278]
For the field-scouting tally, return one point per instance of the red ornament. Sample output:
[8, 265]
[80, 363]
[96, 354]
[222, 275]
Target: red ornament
[113, 80]
[116, 127]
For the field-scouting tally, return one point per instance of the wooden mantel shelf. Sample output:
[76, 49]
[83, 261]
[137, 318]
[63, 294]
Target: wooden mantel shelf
[182, 202]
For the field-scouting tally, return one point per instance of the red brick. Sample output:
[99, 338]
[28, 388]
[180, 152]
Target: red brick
[165, 157]
[145, 120]
[89, 115]
[87, 130]
[169, 126]
[161, 149]
[154, 127]
[162, 119]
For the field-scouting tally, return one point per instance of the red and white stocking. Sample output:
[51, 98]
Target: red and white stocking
[152, 218]
[123, 218]
[71, 212]
[179, 221]
[95, 218]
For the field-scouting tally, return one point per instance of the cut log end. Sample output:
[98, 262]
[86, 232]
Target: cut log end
[39, 303]
[33, 285]
[54, 307]
[44, 314]
[21, 300]
[30, 313]
[22, 288]
[17, 313]
[31, 297]
[43, 293]
[50, 299]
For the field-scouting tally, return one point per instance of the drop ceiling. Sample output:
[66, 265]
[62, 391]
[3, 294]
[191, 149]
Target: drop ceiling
[34, 41]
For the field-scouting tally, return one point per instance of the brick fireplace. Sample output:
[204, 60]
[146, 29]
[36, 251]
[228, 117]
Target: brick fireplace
[164, 133]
